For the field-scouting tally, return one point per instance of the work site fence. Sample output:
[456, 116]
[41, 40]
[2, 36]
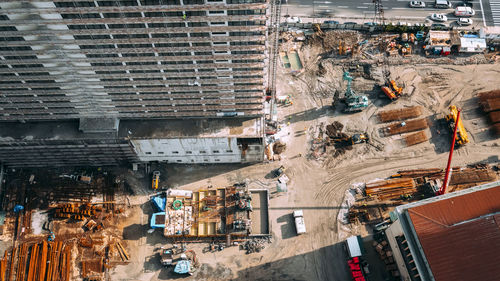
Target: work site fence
[399, 27]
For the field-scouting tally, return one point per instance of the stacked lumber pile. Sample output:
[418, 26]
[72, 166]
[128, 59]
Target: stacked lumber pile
[416, 138]
[460, 177]
[391, 188]
[400, 114]
[406, 127]
[490, 102]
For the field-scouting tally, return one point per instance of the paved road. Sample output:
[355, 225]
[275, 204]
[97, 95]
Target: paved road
[394, 10]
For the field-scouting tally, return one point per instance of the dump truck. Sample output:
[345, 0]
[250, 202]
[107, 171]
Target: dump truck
[391, 90]
[300, 225]
[462, 137]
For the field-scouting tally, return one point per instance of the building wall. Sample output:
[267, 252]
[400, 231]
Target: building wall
[188, 150]
[196, 150]
[131, 58]
[55, 153]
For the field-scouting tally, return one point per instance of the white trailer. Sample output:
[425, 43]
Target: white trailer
[300, 225]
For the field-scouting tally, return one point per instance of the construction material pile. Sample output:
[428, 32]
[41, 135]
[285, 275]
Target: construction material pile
[406, 127]
[391, 188]
[254, 245]
[490, 102]
[461, 178]
[400, 114]
[416, 138]
[334, 39]
[334, 132]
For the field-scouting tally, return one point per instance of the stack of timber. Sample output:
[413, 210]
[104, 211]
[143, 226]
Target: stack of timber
[400, 114]
[488, 95]
[416, 138]
[490, 105]
[406, 127]
[490, 102]
[391, 188]
[460, 177]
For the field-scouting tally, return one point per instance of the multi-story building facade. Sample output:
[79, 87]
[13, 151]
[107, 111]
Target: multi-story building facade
[105, 61]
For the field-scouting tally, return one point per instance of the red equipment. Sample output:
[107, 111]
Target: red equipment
[447, 175]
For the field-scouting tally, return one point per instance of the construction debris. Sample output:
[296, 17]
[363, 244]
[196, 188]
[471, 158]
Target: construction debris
[406, 127]
[400, 114]
[279, 147]
[254, 245]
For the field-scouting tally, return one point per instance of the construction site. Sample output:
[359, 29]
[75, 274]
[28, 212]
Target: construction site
[354, 131]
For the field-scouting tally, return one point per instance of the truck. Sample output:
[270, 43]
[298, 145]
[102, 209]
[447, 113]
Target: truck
[300, 225]
[463, 11]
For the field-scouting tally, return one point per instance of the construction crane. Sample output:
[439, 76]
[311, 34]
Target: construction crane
[447, 175]
[453, 120]
[353, 101]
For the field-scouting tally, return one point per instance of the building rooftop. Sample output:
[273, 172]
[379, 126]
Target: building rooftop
[460, 234]
[69, 130]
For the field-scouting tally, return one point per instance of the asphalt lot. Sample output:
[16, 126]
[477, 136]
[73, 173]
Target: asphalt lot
[487, 11]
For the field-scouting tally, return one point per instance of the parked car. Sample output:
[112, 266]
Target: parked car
[464, 12]
[442, 4]
[370, 23]
[438, 26]
[350, 22]
[464, 21]
[439, 17]
[293, 20]
[417, 4]
[331, 22]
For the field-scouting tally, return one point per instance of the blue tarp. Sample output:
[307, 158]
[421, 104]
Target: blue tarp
[159, 203]
[182, 267]
[153, 220]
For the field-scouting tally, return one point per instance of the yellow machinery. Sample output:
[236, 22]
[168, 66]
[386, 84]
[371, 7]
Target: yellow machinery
[462, 137]
[156, 179]
[317, 28]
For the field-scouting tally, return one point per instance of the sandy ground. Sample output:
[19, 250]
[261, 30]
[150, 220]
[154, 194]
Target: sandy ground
[318, 185]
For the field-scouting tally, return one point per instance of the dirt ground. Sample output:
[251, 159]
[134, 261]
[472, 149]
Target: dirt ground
[318, 185]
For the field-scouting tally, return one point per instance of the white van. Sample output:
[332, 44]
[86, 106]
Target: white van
[464, 12]
[442, 4]
[300, 225]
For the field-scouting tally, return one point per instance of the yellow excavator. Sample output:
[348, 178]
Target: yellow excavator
[346, 140]
[156, 179]
[462, 137]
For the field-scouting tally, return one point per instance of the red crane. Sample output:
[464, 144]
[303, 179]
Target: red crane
[447, 175]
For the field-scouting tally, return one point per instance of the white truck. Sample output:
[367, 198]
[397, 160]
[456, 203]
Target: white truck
[300, 225]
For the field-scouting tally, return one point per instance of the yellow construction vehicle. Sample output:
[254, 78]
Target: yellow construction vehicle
[317, 29]
[156, 179]
[346, 140]
[462, 137]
